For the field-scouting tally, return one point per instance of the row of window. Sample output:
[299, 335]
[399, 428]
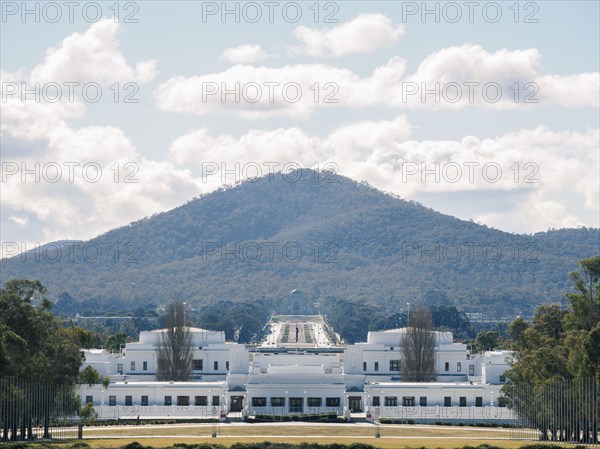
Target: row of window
[459, 368]
[395, 366]
[295, 402]
[120, 367]
[197, 365]
[410, 401]
[168, 400]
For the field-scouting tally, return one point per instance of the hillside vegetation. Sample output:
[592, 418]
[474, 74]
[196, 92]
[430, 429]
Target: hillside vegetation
[324, 234]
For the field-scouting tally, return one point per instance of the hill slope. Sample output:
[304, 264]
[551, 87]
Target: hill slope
[322, 233]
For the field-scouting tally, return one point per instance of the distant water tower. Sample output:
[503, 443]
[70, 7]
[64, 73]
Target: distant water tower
[296, 302]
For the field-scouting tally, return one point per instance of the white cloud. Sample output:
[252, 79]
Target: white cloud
[78, 187]
[261, 91]
[364, 34]
[455, 77]
[245, 54]
[93, 56]
[535, 212]
[19, 220]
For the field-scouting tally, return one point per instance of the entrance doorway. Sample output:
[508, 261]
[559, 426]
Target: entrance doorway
[355, 404]
[236, 403]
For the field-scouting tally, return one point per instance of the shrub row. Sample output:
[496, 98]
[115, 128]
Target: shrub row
[323, 417]
[259, 445]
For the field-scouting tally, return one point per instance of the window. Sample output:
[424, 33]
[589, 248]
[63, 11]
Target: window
[132, 366]
[478, 401]
[216, 366]
[447, 366]
[376, 366]
[144, 401]
[296, 404]
[332, 402]
[471, 370]
[201, 400]
[375, 401]
[502, 378]
[458, 367]
[145, 366]
[408, 401]
[447, 401]
[364, 366]
[391, 401]
[423, 401]
[197, 365]
[314, 402]
[167, 400]
[215, 400]
[462, 401]
[89, 399]
[128, 400]
[120, 368]
[277, 402]
[394, 365]
[227, 365]
[259, 402]
[183, 400]
[112, 401]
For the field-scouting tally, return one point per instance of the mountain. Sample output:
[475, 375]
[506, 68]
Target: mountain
[324, 234]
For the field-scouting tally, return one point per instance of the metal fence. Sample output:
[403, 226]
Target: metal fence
[31, 411]
[565, 411]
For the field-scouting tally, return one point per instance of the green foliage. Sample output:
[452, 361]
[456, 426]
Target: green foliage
[34, 344]
[487, 340]
[246, 320]
[354, 319]
[558, 355]
[367, 258]
[88, 412]
[89, 376]
[516, 330]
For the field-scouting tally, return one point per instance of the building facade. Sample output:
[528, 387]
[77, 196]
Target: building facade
[230, 379]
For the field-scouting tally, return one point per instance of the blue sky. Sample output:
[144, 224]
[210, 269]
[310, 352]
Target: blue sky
[366, 57]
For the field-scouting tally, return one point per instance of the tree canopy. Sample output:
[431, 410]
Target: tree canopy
[34, 344]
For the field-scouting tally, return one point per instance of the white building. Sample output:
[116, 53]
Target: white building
[364, 378]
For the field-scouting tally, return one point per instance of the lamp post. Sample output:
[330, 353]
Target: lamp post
[408, 319]
[305, 404]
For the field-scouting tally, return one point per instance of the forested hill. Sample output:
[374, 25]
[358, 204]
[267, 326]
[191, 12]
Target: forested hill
[324, 234]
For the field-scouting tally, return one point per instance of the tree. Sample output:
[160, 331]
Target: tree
[418, 348]
[39, 360]
[175, 342]
[554, 382]
[584, 301]
[516, 329]
[34, 344]
[89, 376]
[487, 340]
[88, 412]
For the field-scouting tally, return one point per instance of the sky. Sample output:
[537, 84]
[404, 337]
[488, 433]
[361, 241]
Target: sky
[115, 111]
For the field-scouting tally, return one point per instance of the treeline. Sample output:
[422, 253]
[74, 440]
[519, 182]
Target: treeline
[555, 382]
[353, 320]
[242, 322]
